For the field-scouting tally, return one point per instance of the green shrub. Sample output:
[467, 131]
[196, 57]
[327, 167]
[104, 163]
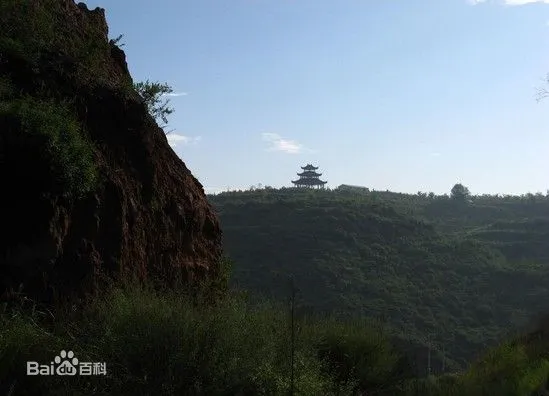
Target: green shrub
[165, 343]
[356, 353]
[507, 370]
[22, 340]
[48, 129]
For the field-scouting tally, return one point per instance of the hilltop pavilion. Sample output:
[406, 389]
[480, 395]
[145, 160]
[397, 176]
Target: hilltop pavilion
[309, 178]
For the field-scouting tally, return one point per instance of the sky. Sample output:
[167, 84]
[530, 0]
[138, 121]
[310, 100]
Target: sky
[401, 95]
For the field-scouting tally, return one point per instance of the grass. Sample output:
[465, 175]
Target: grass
[162, 343]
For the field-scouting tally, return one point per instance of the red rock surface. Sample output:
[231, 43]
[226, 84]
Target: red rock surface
[149, 217]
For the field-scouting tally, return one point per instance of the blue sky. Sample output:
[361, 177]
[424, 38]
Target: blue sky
[401, 95]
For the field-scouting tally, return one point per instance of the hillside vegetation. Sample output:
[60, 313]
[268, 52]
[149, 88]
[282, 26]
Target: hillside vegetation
[457, 275]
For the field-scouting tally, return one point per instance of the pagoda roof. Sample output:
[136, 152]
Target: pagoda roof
[309, 167]
[309, 173]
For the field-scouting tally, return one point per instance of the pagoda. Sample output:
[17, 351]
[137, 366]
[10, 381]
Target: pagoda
[309, 178]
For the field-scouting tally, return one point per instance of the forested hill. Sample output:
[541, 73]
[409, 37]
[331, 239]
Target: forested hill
[462, 272]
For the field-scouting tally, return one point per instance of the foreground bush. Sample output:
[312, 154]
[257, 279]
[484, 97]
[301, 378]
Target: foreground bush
[164, 344]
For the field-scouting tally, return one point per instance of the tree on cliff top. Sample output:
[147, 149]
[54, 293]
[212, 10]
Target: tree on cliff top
[153, 93]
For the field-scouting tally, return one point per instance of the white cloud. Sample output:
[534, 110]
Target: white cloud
[176, 94]
[174, 139]
[277, 143]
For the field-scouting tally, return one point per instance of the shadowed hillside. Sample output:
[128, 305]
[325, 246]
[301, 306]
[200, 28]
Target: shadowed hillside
[463, 274]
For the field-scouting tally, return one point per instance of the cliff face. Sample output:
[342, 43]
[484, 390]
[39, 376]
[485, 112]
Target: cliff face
[91, 190]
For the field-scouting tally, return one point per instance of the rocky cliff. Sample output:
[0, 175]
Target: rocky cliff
[91, 190]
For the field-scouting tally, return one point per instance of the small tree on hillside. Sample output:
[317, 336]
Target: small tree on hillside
[460, 192]
[153, 94]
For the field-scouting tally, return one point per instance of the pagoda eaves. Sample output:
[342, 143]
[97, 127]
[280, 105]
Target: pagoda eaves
[310, 174]
[309, 178]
